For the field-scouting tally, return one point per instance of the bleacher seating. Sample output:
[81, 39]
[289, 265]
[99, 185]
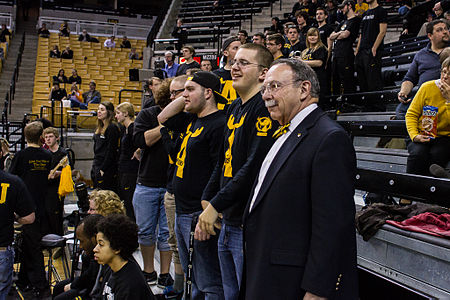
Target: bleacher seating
[93, 62]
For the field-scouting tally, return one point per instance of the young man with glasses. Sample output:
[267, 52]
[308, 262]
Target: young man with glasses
[275, 43]
[247, 138]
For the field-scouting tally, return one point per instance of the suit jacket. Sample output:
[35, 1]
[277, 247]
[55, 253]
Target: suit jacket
[300, 234]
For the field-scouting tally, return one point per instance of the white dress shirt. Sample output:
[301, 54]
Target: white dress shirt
[299, 117]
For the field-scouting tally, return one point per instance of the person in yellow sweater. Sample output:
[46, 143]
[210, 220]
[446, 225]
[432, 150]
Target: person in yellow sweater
[428, 124]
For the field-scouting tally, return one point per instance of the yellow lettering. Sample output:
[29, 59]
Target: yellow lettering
[228, 168]
[5, 187]
[181, 156]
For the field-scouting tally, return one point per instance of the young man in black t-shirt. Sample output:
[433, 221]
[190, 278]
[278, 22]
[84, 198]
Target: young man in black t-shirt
[229, 49]
[343, 56]
[190, 63]
[370, 47]
[57, 93]
[32, 164]
[202, 128]
[116, 241]
[325, 30]
[15, 200]
[246, 140]
[54, 204]
[296, 47]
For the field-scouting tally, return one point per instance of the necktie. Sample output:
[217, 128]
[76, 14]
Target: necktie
[281, 130]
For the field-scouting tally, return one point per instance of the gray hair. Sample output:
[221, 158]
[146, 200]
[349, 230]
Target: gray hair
[301, 72]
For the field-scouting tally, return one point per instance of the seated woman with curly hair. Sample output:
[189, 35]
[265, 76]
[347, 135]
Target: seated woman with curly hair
[105, 203]
[117, 239]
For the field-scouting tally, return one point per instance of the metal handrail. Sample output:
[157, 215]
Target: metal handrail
[127, 90]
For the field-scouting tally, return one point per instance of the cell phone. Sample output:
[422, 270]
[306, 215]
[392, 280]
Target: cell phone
[403, 98]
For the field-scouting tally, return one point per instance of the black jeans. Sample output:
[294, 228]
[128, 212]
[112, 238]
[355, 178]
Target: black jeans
[108, 181]
[32, 270]
[368, 68]
[59, 294]
[422, 155]
[127, 185]
[343, 75]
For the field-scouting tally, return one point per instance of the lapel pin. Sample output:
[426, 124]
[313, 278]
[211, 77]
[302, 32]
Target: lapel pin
[299, 134]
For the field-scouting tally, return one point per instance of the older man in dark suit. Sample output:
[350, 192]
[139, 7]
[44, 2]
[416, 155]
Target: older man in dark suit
[299, 222]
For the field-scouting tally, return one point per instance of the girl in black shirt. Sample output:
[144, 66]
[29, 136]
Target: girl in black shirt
[128, 157]
[106, 149]
[55, 52]
[315, 55]
[74, 77]
[61, 78]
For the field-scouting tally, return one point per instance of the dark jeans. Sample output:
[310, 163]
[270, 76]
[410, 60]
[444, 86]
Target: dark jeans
[32, 260]
[206, 281]
[422, 155]
[59, 294]
[231, 257]
[127, 185]
[343, 75]
[400, 110]
[368, 68]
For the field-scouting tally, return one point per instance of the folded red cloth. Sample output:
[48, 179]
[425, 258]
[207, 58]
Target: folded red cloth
[430, 223]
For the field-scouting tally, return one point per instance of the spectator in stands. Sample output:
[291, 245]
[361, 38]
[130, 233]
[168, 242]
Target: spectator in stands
[303, 26]
[106, 148]
[361, 7]
[171, 67]
[56, 93]
[150, 88]
[4, 32]
[243, 36]
[275, 43]
[405, 8]
[325, 29]
[92, 96]
[54, 203]
[61, 78]
[259, 38]
[206, 65]
[67, 53]
[74, 77]
[82, 285]
[425, 65]
[415, 18]
[117, 239]
[343, 57]
[370, 47]
[148, 198]
[32, 165]
[54, 53]
[84, 36]
[105, 203]
[180, 33]
[64, 29]
[229, 48]
[125, 43]
[43, 31]
[76, 97]
[296, 47]
[276, 26]
[110, 43]
[129, 156]
[428, 124]
[189, 62]
[315, 55]
[286, 27]
[332, 12]
[133, 54]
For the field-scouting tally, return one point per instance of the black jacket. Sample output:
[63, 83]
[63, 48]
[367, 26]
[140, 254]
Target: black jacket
[300, 234]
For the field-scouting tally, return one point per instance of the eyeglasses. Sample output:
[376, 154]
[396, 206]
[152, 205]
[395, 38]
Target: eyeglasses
[243, 63]
[175, 92]
[275, 86]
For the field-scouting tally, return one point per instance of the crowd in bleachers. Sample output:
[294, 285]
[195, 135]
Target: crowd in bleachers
[212, 141]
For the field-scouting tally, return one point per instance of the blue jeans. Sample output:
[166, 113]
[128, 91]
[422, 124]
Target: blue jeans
[231, 258]
[400, 110]
[6, 271]
[206, 279]
[149, 210]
